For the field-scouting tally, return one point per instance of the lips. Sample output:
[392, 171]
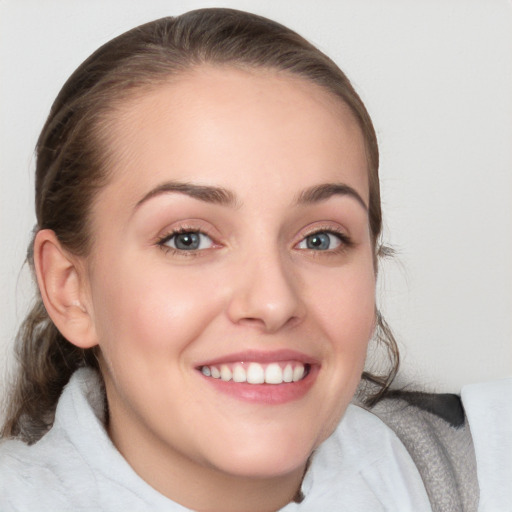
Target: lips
[263, 377]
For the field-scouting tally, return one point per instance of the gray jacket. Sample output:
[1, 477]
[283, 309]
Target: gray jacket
[435, 431]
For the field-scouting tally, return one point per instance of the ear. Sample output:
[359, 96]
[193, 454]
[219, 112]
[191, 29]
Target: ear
[63, 287]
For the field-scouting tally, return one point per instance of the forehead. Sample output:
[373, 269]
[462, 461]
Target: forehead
[236, 128]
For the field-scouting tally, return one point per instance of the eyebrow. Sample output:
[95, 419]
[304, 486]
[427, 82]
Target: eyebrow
[324, 191]
[225, 197]
[206, 193]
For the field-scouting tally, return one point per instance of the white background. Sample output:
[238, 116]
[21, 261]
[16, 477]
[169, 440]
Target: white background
[436, 76]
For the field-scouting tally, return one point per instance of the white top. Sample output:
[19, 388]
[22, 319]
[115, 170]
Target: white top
[489, 410]
[363, 466]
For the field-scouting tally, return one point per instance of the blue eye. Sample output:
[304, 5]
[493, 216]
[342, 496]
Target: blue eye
[321, 241]
[188, 241]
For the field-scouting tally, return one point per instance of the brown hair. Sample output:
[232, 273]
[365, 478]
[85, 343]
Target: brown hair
[72, 164]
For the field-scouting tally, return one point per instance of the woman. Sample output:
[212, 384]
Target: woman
[207, 247]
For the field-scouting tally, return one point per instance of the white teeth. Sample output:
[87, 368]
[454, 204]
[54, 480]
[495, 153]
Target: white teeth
[273, 374]
[288, 373]
[239, 374]
[225, 373]
[298, 373]
[255, 374]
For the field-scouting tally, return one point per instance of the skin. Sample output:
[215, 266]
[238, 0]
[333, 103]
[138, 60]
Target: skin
[157, 313]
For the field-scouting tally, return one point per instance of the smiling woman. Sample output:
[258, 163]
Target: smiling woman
[206, 253]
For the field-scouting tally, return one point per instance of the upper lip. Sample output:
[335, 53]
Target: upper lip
[259, 356]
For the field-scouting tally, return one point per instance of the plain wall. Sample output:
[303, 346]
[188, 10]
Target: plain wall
[436, 77]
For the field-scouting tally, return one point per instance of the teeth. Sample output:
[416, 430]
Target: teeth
[288, 373]
[273, 374]
[239, 374]
[255, 373]
[298, 373]
[225, 373]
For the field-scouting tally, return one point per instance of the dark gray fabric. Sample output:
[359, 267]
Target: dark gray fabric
[445, 405]
[443, 453]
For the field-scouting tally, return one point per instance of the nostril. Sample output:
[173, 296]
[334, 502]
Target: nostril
[251, 321]
[269, 324]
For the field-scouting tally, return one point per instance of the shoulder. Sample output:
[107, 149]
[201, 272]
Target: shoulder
[488, 407]
[435, 432]
[74, 466]
[363, 465]
[49, 474]
[29, 477]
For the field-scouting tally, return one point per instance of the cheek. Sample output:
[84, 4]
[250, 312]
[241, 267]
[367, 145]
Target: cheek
[345, 313]
[345, 305]
[152, 308]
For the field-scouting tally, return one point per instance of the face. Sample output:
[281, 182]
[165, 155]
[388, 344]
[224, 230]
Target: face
[231, 283]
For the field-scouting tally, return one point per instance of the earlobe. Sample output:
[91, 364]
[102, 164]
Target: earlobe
[61, 283]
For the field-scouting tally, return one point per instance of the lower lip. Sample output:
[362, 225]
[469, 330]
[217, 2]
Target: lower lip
[269, 394]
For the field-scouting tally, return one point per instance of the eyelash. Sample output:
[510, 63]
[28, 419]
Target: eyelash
[162, 241]
[345, 241]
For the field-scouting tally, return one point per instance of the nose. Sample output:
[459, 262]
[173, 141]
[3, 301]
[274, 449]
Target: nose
[266, 294]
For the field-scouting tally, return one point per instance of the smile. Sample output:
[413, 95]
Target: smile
[256, 373]
[261, 377]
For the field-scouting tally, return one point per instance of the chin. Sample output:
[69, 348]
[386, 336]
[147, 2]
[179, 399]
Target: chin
[267, 458]
[263, 467]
